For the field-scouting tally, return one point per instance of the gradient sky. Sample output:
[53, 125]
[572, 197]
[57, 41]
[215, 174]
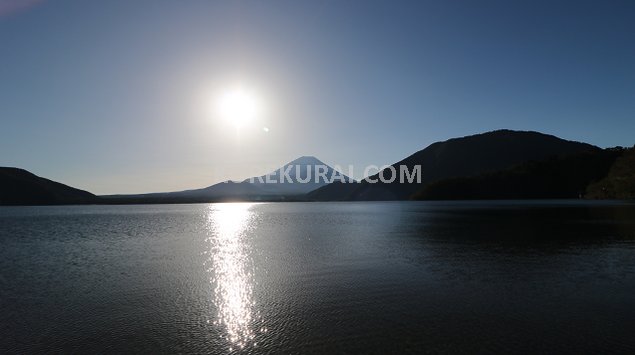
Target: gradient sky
[116, 96]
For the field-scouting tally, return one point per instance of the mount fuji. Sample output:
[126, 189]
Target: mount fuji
[296, 178]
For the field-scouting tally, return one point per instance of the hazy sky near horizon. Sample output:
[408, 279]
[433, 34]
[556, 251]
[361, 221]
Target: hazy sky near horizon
[117, 96]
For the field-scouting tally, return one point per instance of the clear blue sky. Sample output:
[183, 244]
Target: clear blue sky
[115, 96]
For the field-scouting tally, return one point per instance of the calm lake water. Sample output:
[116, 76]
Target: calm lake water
[461, 277]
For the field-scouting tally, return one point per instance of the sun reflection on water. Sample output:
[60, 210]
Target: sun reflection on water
[230, 268]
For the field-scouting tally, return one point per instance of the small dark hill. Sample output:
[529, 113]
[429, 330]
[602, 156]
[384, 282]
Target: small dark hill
[20, 187]
[462, 157]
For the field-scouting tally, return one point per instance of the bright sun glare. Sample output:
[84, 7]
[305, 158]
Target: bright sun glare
[239, 106]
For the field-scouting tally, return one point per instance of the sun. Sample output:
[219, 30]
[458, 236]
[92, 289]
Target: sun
[239, 106]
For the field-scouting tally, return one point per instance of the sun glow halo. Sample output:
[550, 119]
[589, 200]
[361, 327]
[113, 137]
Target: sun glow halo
[238, 106]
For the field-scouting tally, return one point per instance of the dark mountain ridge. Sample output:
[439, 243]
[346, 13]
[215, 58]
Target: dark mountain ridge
[563, 177]
[458, 157]
[20, 187]
[619, 182]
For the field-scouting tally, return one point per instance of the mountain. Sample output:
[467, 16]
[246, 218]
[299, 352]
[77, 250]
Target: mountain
[291, 181]
[457, 157]
[558, 177]
[297, 177]
[20, 187]
[619, 183]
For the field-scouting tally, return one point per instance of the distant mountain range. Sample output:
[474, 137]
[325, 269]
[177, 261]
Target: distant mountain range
[494, 165]
[292, 181]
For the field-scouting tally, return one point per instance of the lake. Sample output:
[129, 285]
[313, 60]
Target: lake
[368, 277]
